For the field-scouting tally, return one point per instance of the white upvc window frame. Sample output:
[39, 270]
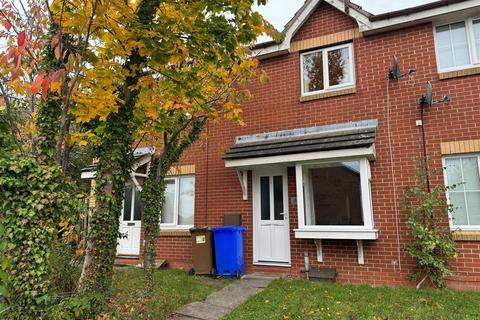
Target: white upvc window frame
[450, 218]
[135, 189]
[327, 87]
[176, 205]
[365, 232]
[472, 50]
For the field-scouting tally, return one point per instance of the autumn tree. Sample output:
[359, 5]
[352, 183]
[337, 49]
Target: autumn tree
[109, 73]
[188, 62]
[43, 74]
[204, 77]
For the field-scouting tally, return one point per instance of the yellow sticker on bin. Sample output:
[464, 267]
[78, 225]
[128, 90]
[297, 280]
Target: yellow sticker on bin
[200, 239]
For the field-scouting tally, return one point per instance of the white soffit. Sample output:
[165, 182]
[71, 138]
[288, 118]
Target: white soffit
[367, 23]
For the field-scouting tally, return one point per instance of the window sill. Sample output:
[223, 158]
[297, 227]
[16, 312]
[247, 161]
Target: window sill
[370, 234]
[462, 235]
[175, 233]
[328, 94]
[459, 73]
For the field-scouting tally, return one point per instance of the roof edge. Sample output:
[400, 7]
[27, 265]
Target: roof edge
[368, 23]
[410, 10]
[329, 128]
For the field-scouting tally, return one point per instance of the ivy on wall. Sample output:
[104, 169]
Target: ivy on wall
[32, 201]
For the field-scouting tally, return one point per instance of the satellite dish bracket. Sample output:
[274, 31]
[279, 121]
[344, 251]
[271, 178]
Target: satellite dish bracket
[394, 73]
[426, 100]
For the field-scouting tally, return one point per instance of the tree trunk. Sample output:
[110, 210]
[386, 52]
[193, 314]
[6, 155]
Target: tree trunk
[97, 266]
[115, 159]
[153, 199]
[153, 194]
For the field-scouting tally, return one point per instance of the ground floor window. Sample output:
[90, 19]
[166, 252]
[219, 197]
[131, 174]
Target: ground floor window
[178, 210]
[462, 177]
[336, 195]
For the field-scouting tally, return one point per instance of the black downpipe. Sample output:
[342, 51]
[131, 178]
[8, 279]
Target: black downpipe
[424, 145]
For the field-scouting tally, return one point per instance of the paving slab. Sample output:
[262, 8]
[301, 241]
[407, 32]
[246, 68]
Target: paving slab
[203, 311]
[232, 296]
[222, 302]
[255, 283]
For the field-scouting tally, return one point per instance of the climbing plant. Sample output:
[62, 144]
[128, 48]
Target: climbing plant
[32, 201]
[3, 267]
[115, 157]
[153, 194]
[432, 245]
[200, 72]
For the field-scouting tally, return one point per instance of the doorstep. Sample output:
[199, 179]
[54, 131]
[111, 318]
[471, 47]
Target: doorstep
[124, 261]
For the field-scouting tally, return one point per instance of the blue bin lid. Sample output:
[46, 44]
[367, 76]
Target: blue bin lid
[229, 229]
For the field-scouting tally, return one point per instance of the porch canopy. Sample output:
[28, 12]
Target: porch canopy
[142, 158]
[332, 172]
[290, 146]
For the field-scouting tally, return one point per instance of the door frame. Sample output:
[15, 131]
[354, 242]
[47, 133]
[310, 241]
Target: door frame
[256, 174]
[135, 189]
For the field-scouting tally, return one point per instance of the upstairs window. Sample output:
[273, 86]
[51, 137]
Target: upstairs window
[462, 176]
[458, 45]
[327, 69]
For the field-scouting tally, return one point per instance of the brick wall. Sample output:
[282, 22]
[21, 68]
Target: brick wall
[277, 106]
[328, 18]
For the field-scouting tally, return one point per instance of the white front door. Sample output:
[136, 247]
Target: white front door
[270, 211]
[130, 223]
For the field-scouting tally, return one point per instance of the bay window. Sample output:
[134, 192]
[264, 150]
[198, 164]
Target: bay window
[334, 200]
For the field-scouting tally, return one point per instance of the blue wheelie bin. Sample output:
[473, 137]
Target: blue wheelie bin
[229, 251]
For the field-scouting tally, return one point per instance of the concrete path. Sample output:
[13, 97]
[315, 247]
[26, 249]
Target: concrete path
[222, 302]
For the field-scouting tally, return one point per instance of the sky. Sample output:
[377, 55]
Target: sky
[278, 12]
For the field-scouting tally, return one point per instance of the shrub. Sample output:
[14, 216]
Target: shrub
[432, 246]
[65, 268]
[32, 200]
[76, 308]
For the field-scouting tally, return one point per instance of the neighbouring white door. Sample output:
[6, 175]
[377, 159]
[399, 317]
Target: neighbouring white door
[130, 223]
[270, 211]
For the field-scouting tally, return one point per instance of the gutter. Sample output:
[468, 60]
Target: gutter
[373, 24]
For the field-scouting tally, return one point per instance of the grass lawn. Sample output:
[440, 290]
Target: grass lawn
[299, 299]
[174, 288]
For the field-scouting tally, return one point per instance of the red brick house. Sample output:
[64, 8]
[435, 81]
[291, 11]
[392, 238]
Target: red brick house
[329, 146]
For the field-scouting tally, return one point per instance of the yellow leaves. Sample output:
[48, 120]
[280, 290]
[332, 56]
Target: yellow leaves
[18, 86]
[174, 59]
[81, 138]
[168, 104]
[55, 86]
[153, 114]
[70, 140]
[97, 94]
[264, 78]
